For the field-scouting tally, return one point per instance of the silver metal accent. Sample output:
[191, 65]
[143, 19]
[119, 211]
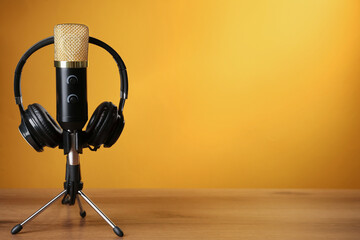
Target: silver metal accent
[96, 209]
[43, 208]
[80, 205]
[73, 155]
[74, 64]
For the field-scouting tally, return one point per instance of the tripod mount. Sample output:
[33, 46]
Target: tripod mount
[72, 185]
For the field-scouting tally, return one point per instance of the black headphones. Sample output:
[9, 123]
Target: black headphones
[39, 129]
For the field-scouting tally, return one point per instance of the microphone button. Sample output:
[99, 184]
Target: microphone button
[72, 79]
[72, 98]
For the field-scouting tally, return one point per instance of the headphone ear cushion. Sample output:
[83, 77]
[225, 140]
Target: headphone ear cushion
[101, 123]
[116, 132]
[28, 136]
[43, 126]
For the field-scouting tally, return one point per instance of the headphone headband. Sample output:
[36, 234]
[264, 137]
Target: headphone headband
[50, 40]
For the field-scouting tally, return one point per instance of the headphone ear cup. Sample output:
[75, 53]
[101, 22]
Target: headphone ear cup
[101, 124]
[116, 132]
[42, 127]
[29, 137]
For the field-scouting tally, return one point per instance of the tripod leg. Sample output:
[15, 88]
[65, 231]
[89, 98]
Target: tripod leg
[116, 229]
[82, 211]
[18, 227]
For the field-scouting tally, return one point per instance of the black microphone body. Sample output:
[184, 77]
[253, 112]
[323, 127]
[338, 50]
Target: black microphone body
[71, 98]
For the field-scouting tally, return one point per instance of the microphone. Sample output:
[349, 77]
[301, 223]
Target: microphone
[71, 54]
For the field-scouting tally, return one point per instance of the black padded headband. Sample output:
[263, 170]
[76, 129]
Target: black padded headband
[50, 40]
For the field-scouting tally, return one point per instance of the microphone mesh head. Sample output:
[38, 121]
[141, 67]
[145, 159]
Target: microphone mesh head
[71, 42]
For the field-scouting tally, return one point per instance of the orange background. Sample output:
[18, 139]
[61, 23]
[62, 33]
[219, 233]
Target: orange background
[223, 94]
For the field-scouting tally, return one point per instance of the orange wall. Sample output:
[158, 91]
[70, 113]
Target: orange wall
[223, 94]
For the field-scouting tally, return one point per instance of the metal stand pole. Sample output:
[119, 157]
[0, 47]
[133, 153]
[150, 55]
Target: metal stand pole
[18, 227]
[116, 229]
[82, 211]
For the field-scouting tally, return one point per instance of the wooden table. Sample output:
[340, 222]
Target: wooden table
[188, 214]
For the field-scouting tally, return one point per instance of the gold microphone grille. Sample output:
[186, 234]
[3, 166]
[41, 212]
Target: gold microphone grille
[71, 42]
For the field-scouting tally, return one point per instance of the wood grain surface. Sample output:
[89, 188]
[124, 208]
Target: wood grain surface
[187, 214]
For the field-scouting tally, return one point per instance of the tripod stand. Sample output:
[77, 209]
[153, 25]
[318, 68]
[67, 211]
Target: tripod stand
[72, 190]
